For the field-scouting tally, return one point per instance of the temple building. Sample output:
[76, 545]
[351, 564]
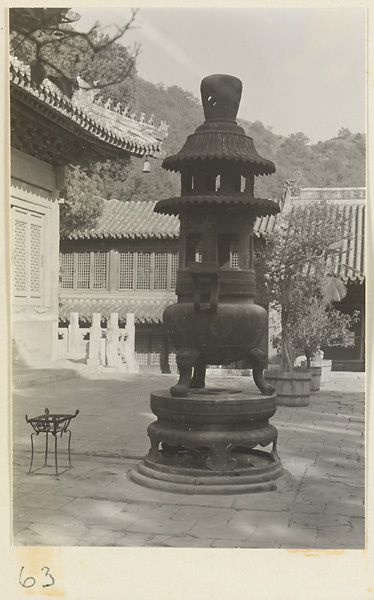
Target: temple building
[128, 264]
[48, 132]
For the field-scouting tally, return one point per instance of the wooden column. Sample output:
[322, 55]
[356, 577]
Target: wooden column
[113, 272]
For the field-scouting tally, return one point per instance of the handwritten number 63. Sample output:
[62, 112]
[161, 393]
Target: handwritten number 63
[30, 581]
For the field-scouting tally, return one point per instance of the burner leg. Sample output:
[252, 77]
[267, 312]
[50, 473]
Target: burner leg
[259, 363]
[186, 358]
[198, 379]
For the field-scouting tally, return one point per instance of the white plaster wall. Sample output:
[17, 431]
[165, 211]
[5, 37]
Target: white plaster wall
[35, 323]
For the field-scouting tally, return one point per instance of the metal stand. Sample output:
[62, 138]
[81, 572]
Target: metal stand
[54, 424]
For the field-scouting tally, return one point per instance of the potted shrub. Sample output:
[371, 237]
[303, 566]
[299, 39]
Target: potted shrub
[317, 323]
[294, 266]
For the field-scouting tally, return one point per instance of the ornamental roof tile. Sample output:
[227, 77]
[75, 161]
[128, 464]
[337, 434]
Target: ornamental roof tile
[145, 310]
[90, 121]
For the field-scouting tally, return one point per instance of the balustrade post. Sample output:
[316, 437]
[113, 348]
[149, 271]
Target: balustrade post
[94, 343]
[129, 345]
[113, 347]
[75, 336]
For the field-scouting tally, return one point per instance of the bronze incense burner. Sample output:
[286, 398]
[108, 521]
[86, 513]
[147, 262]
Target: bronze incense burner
[208, 436]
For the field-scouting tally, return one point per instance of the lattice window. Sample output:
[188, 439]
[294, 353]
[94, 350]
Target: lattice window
[174, 258]
[142, 347]
[143, 281]
[35, 256]
[234, 255]
[67, 270]
[99, 270]
[19, 256]
[83, 270]
[27, 254]
[161, 271]
[126, 271]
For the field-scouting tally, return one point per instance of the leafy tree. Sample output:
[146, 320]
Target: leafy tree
[344, 133]
[45, 39]
[316, 323]
[113, 175]
[296, 262]
[83, 203]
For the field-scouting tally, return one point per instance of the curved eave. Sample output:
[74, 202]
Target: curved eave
[259, 206]
[59, 110]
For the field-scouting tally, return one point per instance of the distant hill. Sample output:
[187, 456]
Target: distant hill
[339, 162]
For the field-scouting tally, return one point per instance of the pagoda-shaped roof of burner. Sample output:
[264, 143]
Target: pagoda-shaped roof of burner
[207, 144]
[220, 138]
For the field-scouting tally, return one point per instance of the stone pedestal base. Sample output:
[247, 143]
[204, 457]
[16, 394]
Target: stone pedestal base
[206, 443]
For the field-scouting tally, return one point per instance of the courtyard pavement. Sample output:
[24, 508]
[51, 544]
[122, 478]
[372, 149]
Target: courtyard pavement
[319, 502]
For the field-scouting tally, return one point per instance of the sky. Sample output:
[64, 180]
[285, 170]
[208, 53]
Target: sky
[302, 69]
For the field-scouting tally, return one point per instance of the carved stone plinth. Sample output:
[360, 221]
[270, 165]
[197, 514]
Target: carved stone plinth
[208, 443]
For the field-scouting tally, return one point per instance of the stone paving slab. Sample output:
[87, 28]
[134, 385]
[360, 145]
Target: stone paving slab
[319, 502]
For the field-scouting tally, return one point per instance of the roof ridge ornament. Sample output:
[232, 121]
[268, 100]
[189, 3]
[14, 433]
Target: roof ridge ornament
[87, 96]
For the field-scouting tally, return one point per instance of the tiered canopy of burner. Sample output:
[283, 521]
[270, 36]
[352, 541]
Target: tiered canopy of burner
[218, 163]
[217, 208]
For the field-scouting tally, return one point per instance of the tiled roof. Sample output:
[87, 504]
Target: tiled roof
[45, 98]
[350, 262]
[145, 310]
[264, 225]
[132, 219]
